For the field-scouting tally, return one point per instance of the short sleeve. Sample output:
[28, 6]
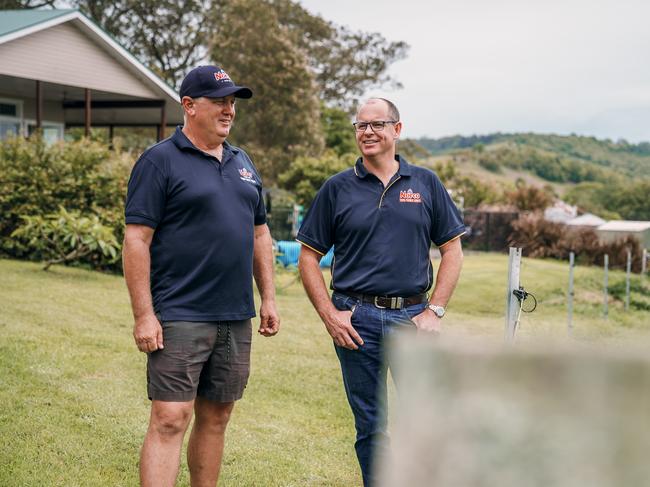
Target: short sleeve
[146, 194]
[260, 210]
[316, 231]
[447, 223]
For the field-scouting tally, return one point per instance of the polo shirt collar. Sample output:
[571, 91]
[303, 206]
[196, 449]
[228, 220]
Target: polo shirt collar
[183, 143]
[404, 167]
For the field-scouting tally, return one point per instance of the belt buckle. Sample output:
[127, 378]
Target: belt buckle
[377, 304]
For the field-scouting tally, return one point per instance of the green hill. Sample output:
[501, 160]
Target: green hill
[632, 160]
[600, 176]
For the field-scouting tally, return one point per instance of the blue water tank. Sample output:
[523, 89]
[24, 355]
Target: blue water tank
[289, 251]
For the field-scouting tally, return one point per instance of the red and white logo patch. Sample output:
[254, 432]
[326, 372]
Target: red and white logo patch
[409, 197]
[246, 175]
[221, 76]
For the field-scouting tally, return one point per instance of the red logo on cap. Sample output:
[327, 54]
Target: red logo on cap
[221, 76]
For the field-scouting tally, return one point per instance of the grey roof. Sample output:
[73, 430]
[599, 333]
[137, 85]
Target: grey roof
[625, 226]
[14, 20]
[586, 220]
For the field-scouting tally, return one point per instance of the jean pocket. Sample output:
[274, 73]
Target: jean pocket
[344, 303]
[411, 311]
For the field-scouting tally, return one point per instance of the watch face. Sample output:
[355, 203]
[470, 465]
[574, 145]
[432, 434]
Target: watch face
[438, 310]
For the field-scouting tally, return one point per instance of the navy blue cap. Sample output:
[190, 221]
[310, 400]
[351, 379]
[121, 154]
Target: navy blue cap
[211, 82]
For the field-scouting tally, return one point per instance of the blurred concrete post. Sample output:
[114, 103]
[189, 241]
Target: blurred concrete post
[472, 415]
[605, 288]
[512, 304]
[572, 257]
[628, 271]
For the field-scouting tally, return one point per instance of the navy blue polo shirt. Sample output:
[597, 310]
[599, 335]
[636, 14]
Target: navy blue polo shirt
[203, 211]
[381, 235]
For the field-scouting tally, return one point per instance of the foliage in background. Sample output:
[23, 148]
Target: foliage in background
[411, 150]
[527, 197]
[169, 36]
[68, 237]
[474, 191]
[37, 178]
[615, 199]
[307, 174]
[631, 160]
[542, 238]
[172, 36]
[338, 131]
[609, 179]
[282, 120]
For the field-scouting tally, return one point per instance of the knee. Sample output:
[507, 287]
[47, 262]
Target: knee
[170, 421]
[214, 418]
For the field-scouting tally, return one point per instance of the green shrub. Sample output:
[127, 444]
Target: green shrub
[68, 237]
[37, 178]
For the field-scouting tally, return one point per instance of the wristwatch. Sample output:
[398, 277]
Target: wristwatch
[438, 310]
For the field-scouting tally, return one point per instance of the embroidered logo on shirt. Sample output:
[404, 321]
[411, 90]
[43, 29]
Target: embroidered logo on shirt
[409, 197]
[246, 175]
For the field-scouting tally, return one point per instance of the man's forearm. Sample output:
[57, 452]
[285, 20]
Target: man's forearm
[448, 273]
[263, 263]
[313, 282]
[136, 262]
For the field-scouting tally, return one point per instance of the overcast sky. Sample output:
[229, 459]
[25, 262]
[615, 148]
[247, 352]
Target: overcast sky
[482, 66]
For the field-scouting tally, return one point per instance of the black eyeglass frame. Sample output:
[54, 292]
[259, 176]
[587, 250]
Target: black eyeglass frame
[362, 126]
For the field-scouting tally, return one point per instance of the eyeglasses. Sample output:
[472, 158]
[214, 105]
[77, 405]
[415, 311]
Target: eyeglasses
[375, 125]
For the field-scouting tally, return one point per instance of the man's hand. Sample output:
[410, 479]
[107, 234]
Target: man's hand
[148, 333]
[269, 319]
[427, 321]
[340, 327]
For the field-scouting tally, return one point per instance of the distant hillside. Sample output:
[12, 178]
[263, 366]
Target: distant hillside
[632, 160]
[608, 178]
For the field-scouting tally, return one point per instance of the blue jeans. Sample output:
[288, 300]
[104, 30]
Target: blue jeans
[364, 373]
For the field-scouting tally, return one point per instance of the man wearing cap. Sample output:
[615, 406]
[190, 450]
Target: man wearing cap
[196, 235]
[380, 216]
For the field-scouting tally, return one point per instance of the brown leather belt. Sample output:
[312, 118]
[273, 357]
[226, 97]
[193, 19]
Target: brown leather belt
[388, 302]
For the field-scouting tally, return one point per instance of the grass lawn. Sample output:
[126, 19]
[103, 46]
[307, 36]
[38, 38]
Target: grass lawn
[73, 406]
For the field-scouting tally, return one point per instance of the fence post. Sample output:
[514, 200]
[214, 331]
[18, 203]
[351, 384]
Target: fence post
[570, 294]
[628, 270]
[606, 283]
[512, 304]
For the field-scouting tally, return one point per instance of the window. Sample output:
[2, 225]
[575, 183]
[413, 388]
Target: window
[52, 131]
[11, 114]
[8, 109]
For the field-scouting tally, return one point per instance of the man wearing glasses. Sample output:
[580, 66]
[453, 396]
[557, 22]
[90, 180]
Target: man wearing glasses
[196, 233]
[381, 216]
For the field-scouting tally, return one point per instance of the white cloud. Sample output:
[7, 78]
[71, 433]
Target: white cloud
[513, 65]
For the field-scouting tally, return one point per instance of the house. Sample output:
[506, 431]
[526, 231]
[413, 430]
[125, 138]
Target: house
[58, 69]
[585, 221]
[560, 212]
[617, 229]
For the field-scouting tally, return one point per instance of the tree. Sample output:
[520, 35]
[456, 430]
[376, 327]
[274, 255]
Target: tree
[307, 174]
[282, 120]
[169, 36]
[338, 130]
[25, 4]
[530, 198]
[346, 63]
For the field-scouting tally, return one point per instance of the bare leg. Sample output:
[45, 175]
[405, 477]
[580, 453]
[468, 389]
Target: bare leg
[161, 451]
[205, 448]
